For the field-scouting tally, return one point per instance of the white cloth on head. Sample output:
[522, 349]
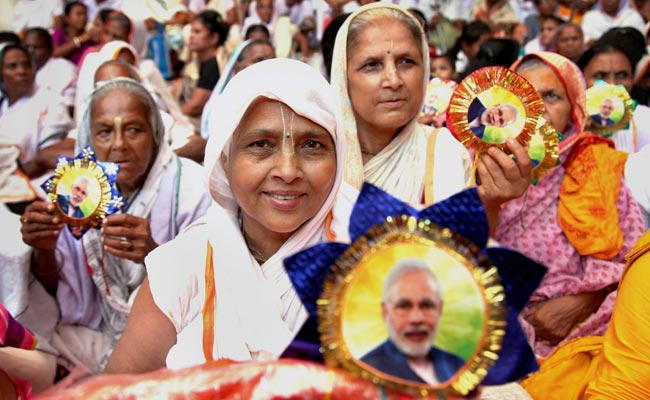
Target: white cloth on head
[400, 167]
[257, 311]
[86, 79]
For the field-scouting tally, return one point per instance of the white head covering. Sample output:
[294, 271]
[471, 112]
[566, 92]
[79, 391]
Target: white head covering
[288, 81]
[399, 167]
[112, 49]
[86, 78]
[257, 310]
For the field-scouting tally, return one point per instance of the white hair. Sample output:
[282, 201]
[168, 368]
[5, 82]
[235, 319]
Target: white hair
[407, 266]
[80, 179]
[514, 109]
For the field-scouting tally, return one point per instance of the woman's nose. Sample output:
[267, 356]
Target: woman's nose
[392, 78]
[287, 165]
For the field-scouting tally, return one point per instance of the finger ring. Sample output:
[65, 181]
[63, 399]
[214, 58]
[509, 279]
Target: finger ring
[126, 244]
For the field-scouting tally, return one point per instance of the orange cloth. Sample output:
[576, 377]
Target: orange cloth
[623, 370]
[566, 373]
[587, 211]
[616, 366]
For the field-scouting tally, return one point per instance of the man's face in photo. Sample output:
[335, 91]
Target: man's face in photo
[78, 192]
[411, 313]
[606, 108]
[499, 115]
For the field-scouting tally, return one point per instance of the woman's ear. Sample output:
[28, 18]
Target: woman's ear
[224, 164]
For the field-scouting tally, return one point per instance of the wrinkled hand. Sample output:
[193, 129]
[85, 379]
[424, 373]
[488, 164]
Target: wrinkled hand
[501, 177]
[554, 319]
[127, 236]
[41, 226]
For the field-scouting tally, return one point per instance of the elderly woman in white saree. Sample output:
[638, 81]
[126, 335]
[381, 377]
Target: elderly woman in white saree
[380, 70]
[96, 277]
[274, 166]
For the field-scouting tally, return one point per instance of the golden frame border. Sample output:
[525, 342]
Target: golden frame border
[98, 215]
[409, 229]
[628, 110]
[480, 81]
[551, 150]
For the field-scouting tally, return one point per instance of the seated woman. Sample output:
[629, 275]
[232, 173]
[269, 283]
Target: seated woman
[73, 39]
[114, 50]
[36, 120]
[96, 278]
[578, 222]
[208, 33]
[55, 74]
[274, 166]
[381, 82]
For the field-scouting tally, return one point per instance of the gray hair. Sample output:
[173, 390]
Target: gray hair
[407, 266]
[530, 64]
[122, 85]
[124, 67]
[362, 20]
[82, 178]
[514, 109]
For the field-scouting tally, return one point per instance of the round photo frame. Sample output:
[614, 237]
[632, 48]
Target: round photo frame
[543, 149]
[610, 108]
[81, 192]
[361, 308]
[491, 105]
[437, 96]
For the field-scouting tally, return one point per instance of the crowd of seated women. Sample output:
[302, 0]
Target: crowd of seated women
[231, 160]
